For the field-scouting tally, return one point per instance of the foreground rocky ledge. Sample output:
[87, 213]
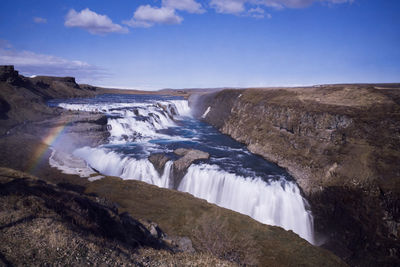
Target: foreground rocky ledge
[342, 145]
[45, 224]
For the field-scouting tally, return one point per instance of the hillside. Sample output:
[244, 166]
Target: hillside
[43, 223]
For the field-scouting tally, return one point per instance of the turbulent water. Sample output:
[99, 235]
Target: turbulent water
[233, 178]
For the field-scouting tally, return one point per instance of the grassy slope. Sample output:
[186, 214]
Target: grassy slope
[182, 214]
[44, 224]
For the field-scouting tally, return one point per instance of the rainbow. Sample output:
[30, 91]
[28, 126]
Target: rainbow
[47, 141]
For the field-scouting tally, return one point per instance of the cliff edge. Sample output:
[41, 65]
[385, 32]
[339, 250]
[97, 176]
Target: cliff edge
[23, 99]
[342, 145]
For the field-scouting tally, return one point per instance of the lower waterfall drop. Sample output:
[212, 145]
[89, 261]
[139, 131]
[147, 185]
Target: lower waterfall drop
[277, 203]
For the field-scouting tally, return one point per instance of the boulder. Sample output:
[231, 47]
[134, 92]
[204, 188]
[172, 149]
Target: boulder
[179, 244]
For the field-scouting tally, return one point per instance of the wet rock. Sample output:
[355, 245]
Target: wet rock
[158, 160]
[180, 166]
[169, 109]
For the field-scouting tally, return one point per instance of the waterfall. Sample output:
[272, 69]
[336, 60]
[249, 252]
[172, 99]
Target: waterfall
[182, 107]
[269, 198]
[276, 203]
[113, 164]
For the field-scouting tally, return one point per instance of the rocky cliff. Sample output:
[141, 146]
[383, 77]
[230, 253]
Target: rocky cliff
[24, 99]
[342, 145]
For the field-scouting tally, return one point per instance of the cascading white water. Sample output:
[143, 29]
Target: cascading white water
[110, 163]
[133, 121]
[182, 107]
[277, 202]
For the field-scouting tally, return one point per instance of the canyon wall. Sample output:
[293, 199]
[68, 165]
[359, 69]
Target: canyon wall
[342, 145]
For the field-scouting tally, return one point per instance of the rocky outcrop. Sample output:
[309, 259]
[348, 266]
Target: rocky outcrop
[59, 83]
[169, 109]
[8, 74]
[24, 99]
[341, 144]
[180, 166]
[158, 160]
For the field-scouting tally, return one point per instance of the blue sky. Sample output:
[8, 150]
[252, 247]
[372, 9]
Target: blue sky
[212, 43]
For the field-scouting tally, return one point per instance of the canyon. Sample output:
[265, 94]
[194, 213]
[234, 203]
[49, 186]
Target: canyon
[26, 123]
[342, 145]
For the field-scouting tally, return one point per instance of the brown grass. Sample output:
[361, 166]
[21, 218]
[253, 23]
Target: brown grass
[43, 224]
[224, 233]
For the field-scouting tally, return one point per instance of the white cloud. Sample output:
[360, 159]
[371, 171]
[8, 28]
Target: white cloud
[190, 6]
[228, 6]
[30, 63]
[147, 16]
[258, 13]
[280, 4]
[240, 6]
[39, 20]
[92, 22]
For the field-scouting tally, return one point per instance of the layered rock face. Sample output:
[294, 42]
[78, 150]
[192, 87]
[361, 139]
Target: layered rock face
[7, 73]
[341, 144]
